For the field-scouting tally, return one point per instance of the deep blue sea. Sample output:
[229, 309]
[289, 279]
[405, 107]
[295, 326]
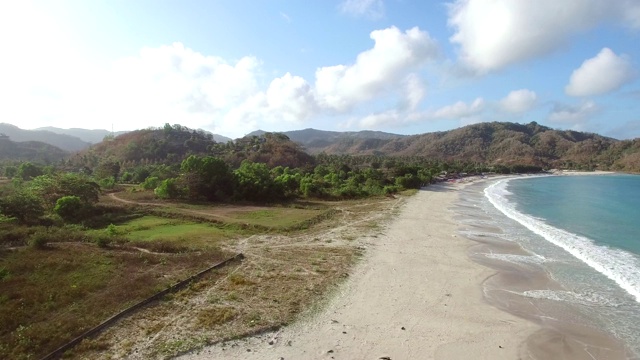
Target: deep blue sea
[585, 232]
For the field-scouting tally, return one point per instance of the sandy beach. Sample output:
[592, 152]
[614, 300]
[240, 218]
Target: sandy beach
[415, 295]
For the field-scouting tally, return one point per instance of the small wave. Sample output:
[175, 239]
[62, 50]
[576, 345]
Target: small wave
[518, 259]
[584, 298]
[618, 265]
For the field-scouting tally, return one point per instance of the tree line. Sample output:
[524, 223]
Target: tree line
[36, 191]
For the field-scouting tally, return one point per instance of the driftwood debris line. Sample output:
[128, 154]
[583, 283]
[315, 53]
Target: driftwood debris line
[56, 354]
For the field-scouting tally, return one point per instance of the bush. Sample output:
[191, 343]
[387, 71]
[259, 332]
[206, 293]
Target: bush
[112, 230]
[39, 240]
[70, 208]
[168, 189]
[390, 190]
[150, 183]
[103, 241]
[107, 183]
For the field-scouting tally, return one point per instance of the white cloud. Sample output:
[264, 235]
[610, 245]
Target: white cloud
[493, 34]
[372, 121]
[414, 92]
[291, 98]
[459, 110]
[373, 9]
[465, 113]
[375, 71]
[177, 85]
[601, 74]
[519, 101]
[574, 116]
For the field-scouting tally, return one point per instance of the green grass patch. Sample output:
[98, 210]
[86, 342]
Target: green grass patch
[171, 232]
[276, 218]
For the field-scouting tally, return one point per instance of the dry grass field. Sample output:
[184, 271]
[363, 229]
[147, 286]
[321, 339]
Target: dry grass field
[294, 254]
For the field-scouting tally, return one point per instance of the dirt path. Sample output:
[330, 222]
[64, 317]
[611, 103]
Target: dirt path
[416, 295]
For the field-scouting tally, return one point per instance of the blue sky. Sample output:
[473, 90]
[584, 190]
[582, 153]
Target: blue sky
[400, 66]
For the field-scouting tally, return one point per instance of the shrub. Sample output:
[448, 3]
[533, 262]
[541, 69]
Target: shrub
[103, 241]
[39, 240]
[69, 208]
[107, 183]
[112, 230]
[390, 190]
[150, 183]
[168, 189]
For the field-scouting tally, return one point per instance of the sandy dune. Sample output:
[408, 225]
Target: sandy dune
[415, 295]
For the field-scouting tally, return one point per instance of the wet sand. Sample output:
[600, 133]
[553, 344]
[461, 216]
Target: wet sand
[564, 332]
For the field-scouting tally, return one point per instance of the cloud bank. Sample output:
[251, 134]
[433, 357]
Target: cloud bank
[493, 34]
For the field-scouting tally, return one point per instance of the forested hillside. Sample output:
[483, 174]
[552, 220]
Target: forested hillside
[317, 141]
[499, 143]
[29, 151]
[62, 141]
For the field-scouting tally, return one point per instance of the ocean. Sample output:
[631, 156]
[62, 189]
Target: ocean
[580, 233]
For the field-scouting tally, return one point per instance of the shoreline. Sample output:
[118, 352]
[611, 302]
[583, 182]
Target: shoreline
[564, 331]
[416, 294]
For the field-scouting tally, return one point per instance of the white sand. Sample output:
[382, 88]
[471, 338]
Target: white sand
[417, 276]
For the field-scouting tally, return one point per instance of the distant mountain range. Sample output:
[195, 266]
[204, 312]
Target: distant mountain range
[63, 141]
[71, 140]
[88, 136]
[30, 151]
[487, 143]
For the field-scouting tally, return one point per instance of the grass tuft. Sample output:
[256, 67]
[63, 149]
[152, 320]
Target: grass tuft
[215, 316]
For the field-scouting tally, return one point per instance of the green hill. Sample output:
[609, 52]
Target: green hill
[34, 151]
[172, 144]
[500, 143]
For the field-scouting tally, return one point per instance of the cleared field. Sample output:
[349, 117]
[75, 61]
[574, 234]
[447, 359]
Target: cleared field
[294, 254]
[293, 216]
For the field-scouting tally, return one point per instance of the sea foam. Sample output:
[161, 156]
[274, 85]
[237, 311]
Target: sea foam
[518, 259]
[618, 265]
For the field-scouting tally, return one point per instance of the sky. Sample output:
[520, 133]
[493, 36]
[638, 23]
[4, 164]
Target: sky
[400, 66]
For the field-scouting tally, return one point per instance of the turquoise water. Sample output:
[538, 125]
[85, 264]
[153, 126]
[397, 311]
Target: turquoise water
[584, 232]
[605, 209]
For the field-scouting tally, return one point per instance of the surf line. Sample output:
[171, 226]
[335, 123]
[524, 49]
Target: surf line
[617, 265]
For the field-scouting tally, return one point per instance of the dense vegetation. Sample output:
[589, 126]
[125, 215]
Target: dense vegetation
[497, 143]
[179, 163]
